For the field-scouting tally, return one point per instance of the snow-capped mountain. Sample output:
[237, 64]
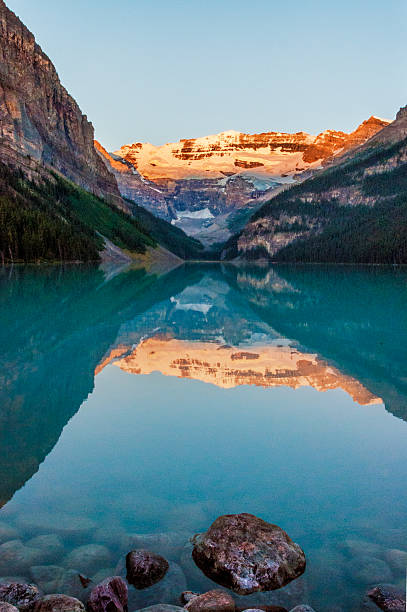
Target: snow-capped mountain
[210, 185]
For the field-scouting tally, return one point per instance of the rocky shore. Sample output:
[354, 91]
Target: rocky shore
[240, 563]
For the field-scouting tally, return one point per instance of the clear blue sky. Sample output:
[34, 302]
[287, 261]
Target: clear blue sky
[159, 70]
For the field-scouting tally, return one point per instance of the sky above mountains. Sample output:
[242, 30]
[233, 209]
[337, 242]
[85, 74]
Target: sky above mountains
[160, 71]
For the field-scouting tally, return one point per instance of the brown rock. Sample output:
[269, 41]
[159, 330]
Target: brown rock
[19, 594]
[57, 603]
[388, 598]
[145, 568]
[6, 607]
[109, 596]
[212, 601]
[244, 553]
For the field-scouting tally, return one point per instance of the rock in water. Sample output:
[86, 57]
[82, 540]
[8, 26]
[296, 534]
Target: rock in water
[6, 607]
[89, 557]
[212, 601]
[388, 598]
[245, 554]
[302, 608]
[109, 596]
[19, 594]
[145, 568]
[57, 603]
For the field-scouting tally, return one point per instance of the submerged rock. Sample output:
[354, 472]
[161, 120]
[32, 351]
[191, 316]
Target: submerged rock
[88, 558]
[72, 585]
[397, 559]
[212, 601]
[6, 607]
[109, 596]
[368, 570]
[388, 598]
[19, 594]
[65, 525]
[167, 591]
[48, 577]
[16, 557]
[302, 608]
[246, 554]
[7, 533]
[145, 568]
[57, 603]
[51, 546]
[170, 544]
[355, 547]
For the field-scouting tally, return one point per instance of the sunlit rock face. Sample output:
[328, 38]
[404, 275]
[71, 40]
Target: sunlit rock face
[270, 153]
[227, 367]
[41, 125]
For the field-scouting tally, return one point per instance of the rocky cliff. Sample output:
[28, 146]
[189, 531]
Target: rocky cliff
[41, 125]
[357, 204]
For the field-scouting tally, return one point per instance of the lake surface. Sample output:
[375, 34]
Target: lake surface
[135, 408]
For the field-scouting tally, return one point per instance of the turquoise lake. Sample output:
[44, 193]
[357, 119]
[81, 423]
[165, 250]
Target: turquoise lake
[137, 407]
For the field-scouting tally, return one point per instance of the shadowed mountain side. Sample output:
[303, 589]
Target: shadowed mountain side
[57, 323]
[354, 318]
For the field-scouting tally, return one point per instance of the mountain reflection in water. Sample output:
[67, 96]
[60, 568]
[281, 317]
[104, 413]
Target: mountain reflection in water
[327, 327]
[150, 403]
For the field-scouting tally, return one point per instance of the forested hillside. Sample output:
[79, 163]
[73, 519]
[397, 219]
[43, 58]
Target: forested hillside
[54, 220]
[354, 211]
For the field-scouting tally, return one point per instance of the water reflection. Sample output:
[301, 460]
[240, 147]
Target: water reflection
[328, 327]
[188, 394]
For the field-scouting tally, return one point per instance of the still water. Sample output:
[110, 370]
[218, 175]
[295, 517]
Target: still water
[135, 408]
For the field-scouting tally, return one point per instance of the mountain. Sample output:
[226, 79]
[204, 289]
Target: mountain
[40, 123]
[355, 210]
[58, 198]
[206, 185]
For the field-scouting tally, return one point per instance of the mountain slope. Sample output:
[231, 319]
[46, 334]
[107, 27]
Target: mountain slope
[58, 198]
[39, 121]
[354, 211]
[200, 183]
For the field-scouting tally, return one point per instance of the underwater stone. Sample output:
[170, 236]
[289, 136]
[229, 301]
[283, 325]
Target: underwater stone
[246, 554]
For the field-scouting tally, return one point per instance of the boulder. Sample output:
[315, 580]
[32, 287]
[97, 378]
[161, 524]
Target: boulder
[167, 591]
[19, 594]
[16, 557]
[397, 559]
[145, 568]
[6, 607]
[51, 546]
[65, 525]
[245, 554]
[109, 596]
[212, 601]
[388, 598]
[88, 558]
[354, 547]
[368, 570]
[57, 603]
[7, 533]
[73, 586]
[48, 577]
[169, 544]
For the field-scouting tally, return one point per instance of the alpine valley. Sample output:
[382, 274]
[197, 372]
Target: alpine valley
[293, 197]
